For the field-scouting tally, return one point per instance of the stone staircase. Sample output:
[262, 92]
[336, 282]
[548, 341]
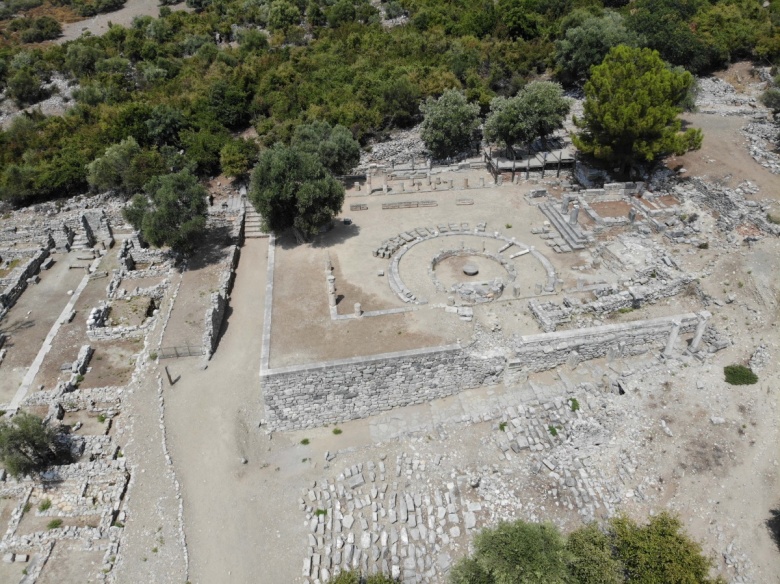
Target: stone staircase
[80, 241]
[571, 238]
[253, 225]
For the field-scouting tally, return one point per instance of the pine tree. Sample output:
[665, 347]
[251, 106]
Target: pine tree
[632, 107]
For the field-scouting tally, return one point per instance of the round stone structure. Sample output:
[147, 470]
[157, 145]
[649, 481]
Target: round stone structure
[404, 293]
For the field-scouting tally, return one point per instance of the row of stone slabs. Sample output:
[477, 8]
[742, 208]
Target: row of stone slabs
[390, 246]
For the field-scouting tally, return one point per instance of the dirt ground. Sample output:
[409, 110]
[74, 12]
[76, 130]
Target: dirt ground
[300, 306]
[30, 319]
[116, 368]
[724, 157]
[199, 281]
[99, 24]
[239, 521]
[70, 563]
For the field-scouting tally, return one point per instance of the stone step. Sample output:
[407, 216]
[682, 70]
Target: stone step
[573, 239]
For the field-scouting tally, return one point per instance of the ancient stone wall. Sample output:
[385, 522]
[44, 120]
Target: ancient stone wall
[550, 350]
[336, 391]
[18, 279]
[219, 301]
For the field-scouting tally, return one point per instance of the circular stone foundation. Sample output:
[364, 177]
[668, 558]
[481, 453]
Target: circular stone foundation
[496, 269]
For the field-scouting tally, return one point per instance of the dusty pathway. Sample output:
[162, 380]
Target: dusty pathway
[231, 509]
[99, 24]
[152, 551]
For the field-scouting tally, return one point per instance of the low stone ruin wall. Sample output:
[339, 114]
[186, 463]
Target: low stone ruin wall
[98, 331]
[219, 302]
[535, 353]
[19, 277]
[331, 392]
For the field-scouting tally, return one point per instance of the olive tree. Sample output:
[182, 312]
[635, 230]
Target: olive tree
[292, 189]
[172, 211]
[449, 123]
[28, 445]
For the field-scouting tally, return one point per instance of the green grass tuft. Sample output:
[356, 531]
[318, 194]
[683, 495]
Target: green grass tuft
[739, 375]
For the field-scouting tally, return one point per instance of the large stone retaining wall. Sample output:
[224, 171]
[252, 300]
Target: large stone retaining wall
[546, 351]
[331, 392]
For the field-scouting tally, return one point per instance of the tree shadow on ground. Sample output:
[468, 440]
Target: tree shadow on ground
[339, 234]
[773, 525]
[16, 326]
[210, 247]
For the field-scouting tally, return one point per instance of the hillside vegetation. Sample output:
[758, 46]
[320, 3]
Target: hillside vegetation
[183, 85]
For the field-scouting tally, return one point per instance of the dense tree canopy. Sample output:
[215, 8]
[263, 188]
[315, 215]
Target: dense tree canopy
[536, 112]
[587, 44]
[171, 212]
[292, 189]
[335, 147]
[631, 111]
[189, 82]
[125, 167]
[449, 124]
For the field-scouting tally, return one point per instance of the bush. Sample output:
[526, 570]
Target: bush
[36, 30]
[518, 552]
[658, 551]
[352, 577]
[620, 551]
[27, 445]
[771, 99]
[591, 560]
[54, 524]
[44, 505]
[739, 375]
[25, 87]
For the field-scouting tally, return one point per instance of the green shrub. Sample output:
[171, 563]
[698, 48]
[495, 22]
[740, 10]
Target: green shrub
[44, 505]
[590, 560]
[337, 431]
[553, 430]
[54, 523]
[658, 552]
[101, 418]
[619, 551]
[704, 245]
[517, 552]
[739, 375]
[305, 441]
[574, 404]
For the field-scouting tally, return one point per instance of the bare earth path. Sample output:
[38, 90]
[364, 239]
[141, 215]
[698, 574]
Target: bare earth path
[212, 423]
